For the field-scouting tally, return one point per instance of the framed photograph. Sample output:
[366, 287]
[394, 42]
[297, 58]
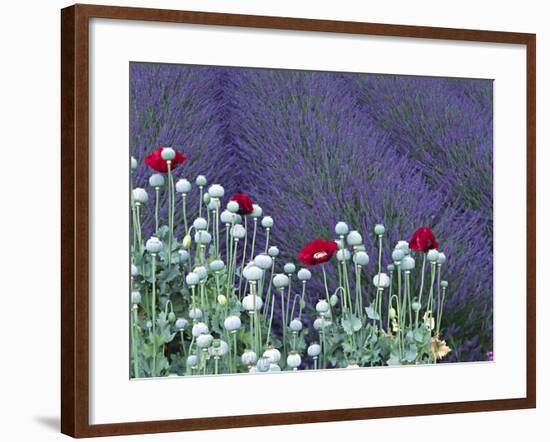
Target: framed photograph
[273, 220]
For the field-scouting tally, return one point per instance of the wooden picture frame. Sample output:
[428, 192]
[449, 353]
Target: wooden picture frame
[75, 219]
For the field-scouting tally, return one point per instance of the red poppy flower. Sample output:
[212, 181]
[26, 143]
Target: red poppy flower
[317, 251]
[423, 240]
[244, 202]
[155, 161]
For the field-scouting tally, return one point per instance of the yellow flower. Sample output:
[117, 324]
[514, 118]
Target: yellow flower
[439, 348]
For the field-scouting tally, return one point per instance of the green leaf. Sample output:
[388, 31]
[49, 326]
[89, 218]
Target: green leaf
[372, 313]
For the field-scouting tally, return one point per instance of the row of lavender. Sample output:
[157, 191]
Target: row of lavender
[318, 147]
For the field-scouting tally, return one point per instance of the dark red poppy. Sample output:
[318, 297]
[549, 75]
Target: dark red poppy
[244, 202]
[155, 161]
[317, 251]
[423, 240]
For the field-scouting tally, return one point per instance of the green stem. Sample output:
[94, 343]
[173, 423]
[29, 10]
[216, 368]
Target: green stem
[244, 254]
[184, 207]
[253, 238]
[282, 293]
[325, 281]
[157, 198]
[170, 211]
[266, 239]
[421, 290]
[134, 341]
[154, 310]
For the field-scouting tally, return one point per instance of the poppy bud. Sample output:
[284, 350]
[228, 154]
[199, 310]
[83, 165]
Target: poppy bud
[186, 243]
[133, 163]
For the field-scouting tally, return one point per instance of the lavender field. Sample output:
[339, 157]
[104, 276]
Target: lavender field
[316, 148]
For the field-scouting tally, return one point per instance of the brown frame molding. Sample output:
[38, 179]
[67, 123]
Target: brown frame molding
[74, 219]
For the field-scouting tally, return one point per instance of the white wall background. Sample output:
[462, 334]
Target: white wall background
[29, 216]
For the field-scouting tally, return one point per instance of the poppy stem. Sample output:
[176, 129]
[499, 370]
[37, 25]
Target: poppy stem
[184, 207]
[266, 239]
[154, 311]
[241, 277]
[253, 238]
[325, 280]
[157, 197]
[134, 340]
[200, 201]
[170, 211]
[421, 289]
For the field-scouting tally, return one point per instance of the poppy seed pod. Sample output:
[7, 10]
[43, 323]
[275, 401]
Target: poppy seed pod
[416, 306]
[134, 270]
[168, 154]
[214, 204]
[201, 181]
[404, 246]
[249, 357]
[183, 186]
[256, 211]
[263, 261]
[181, 323]
[407, 263]
[267, 222]
[192, 361]
[397, 255]
[204, 341]
[186, 243]
[273, 251]
[343, 254]
[391, 267]
[238, 231]
[195, 313]
[263, 364]
[273, 355]
[361, 258]
[232, 323]
[253, 273]
[153, 245]
[293, 360]
[321, 324]
[136, 297]
[280, 280]
[341, 228]
[199, 328]
[304, 275]
[203, 237]
[354, 238]
[381, 281]
[192, 279]
[200, 224]
[219, 348]
[140, 195]
[216, 191]
[183, 254]
[252, 302]
[226, 217]
[217, 265]
[133, 163]
[201, 272]
[322, 306]
[314, 350]
[379, 229]
[289, 267]
[441, 258]
[274, 367]
[156, 180]
[295, 325]
[444, 284]
[233, 206]
[433, 255]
